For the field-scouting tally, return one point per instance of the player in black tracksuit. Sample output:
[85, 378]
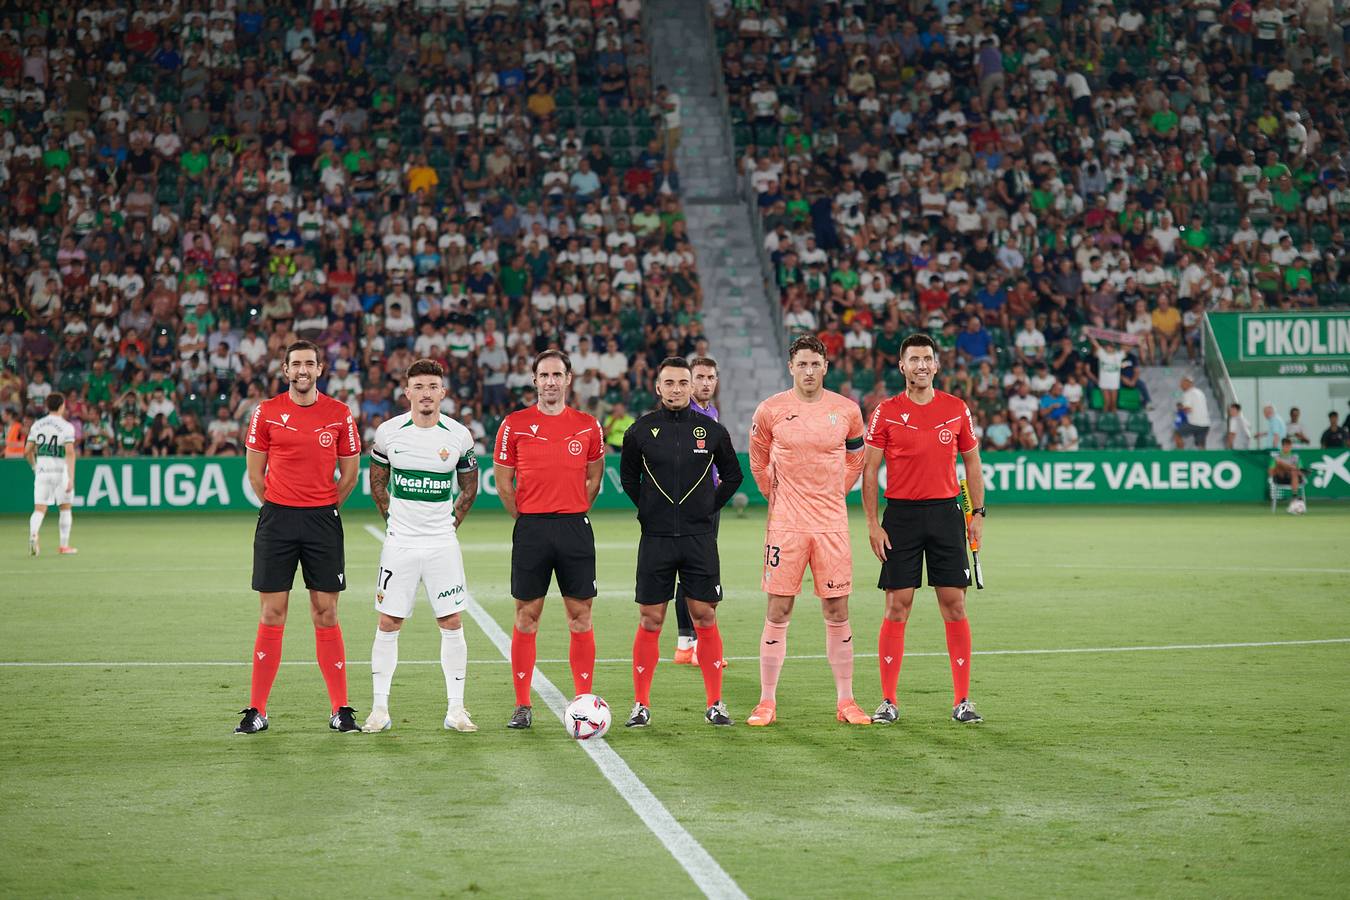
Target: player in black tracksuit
[666, 470]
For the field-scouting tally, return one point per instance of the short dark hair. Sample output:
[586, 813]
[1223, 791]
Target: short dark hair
[55, 400]
[674, 362]
[425, 367]
[303, 345]
[703, 361]
[918, 339]
[807, 342]
[552, 354]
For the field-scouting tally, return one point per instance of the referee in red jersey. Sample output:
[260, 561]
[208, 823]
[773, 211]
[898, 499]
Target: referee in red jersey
[295, 441]
[918, 433]
[548, 460]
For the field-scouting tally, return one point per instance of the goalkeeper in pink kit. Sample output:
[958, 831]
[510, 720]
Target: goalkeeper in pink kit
[806, 452]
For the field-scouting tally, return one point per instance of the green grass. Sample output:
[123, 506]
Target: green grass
[1199, 772]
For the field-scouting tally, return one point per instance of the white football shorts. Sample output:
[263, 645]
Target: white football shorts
[441, 569]
[49, 489]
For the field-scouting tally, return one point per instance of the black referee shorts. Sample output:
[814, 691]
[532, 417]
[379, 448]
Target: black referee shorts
[543, 544]
[308, 535]
[692, 556]
[680, 593]
[925, 529]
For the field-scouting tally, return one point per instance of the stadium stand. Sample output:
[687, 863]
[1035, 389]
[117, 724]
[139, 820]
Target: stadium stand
[1006, 175]
[185, 189]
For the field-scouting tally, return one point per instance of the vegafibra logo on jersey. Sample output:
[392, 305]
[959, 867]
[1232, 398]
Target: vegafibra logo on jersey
[422, 486]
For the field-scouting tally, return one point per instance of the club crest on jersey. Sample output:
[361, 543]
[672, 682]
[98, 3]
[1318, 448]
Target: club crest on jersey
[699, 433]
[443, 453]
[574, 447]
[325, 438]
[834, 419]
[700, 444]
[945, 435]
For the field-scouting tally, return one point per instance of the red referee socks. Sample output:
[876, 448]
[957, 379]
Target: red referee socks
[890, 652]
[646, 651]
[710, 661]
[332, 658]
[581, 654]
[266, 661]
[958, 648]
[522, 664]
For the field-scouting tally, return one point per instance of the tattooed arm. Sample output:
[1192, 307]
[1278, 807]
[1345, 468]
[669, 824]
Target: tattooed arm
[468, 492]
[379, 488]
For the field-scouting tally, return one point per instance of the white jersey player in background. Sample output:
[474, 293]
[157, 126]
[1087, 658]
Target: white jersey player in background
[51, 452]
[414, 464]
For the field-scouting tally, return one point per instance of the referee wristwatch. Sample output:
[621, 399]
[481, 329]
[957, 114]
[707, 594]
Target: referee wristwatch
[979, 511]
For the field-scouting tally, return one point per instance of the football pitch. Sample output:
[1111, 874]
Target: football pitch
[1164, 693]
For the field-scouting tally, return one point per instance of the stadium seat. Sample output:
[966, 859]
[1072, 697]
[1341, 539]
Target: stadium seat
[1108, 423]
[1116, 442]
[1139, 423]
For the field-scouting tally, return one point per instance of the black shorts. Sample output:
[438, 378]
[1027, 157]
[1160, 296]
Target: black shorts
[679, 588]
[308, 535]
[692, 556]
[545, 543]
[924, 529]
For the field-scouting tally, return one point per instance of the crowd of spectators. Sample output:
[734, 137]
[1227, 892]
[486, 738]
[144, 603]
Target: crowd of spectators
[186, 188]
[1007, 174]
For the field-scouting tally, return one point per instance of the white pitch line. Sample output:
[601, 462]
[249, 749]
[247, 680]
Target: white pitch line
[1151, 567]
[697, 862]
[499, 546]
[1049, 651]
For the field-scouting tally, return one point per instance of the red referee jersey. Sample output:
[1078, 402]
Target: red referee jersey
[920, 443]
[302, 444]
[550, 455]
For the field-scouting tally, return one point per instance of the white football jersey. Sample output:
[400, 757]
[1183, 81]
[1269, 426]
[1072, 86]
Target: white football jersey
[423, 463]
[51, 434]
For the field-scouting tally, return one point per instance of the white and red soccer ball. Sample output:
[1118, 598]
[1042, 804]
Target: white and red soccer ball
[587, 717]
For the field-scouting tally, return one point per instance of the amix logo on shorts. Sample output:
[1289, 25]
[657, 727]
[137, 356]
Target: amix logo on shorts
[459, 589]
[408, 484]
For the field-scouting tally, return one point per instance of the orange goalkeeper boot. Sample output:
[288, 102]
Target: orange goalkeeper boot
[849, 711]
[764, 714]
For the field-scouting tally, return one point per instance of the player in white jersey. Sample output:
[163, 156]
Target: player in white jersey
[51, 452]
[416, 460]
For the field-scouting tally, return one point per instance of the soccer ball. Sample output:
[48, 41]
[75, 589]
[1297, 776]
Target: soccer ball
[587, 717]
[1297, 507]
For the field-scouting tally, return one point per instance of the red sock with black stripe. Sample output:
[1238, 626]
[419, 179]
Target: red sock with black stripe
[332, 656]
[646, 652]
[890, 653]
[266, 661]
[581, 654]
[710, 661]
[958, 648]
[522, 664]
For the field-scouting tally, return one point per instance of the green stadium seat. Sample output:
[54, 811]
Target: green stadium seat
[621, 158]
[1116, 442]
[1083, 422]
[620, 137]
[564, 96]
[617, 118]
[594, 136]
[588, 97]
[566, 118]
[592, 118]
[644, 136]
[1108, 423]
[1145, 441]
[1321, 235]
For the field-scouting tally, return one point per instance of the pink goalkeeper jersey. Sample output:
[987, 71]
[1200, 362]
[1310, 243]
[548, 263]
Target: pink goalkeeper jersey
[805, 457]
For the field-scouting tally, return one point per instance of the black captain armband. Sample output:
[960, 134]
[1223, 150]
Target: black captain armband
[854, 444]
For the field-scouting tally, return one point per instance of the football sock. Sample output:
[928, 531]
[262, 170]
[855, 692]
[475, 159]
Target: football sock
[772, 652]
[684, 642]
[35, 523]
[710, 661]
[454, 663]
[522, 664]
[683, 619]
[581, 654]
[64, 521]
[266, 661]
[958, 648]
[383, 662]
[890, 653]
[646, 651]
[839, 651]
[332, 657]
